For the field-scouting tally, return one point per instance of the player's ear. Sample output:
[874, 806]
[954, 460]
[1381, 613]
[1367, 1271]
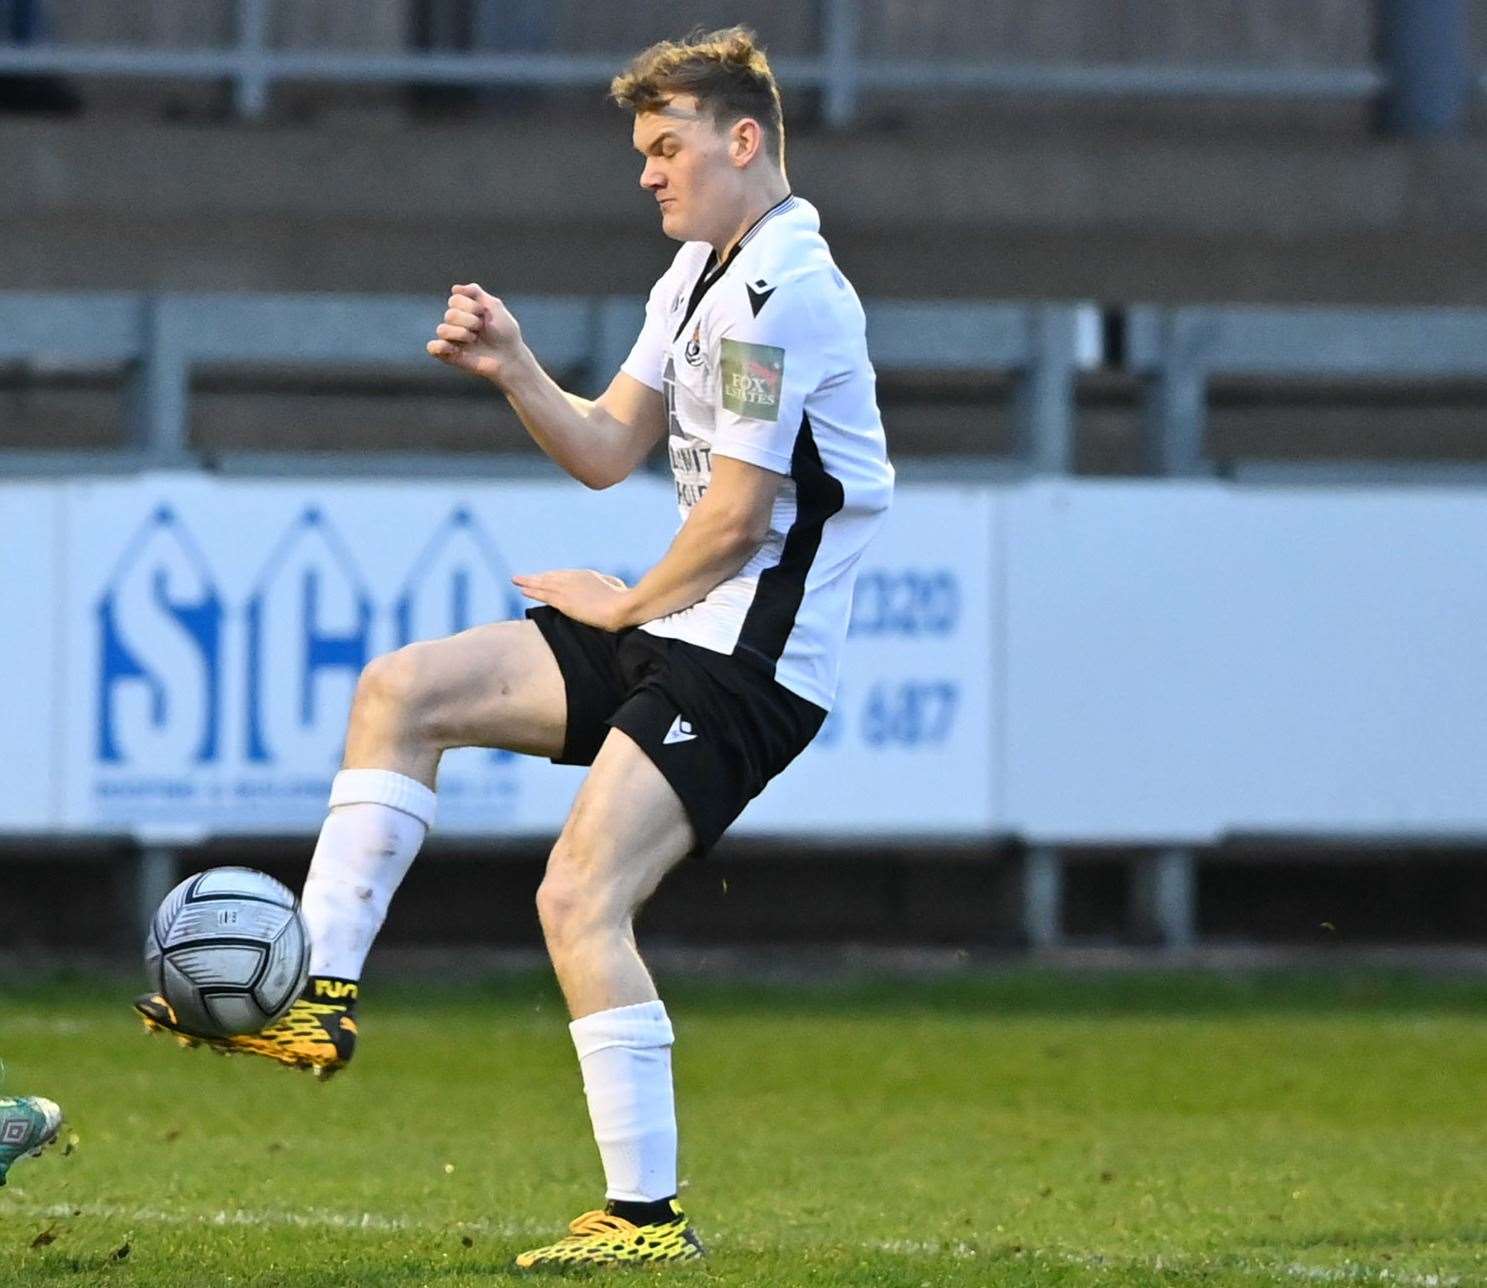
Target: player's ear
[744, 141]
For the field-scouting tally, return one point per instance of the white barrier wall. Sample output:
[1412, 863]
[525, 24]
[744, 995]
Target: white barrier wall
[1190, 660]
[32, 674]
[190, 645]
[1072, 661]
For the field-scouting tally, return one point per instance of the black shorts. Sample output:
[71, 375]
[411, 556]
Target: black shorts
[717, 729]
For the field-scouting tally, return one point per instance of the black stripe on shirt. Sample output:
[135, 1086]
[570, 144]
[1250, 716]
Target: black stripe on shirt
[771, 617]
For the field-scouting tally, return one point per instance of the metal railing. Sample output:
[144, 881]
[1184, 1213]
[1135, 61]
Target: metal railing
[253, 71]
[160, 339]
[1177, 350]
[840, 71]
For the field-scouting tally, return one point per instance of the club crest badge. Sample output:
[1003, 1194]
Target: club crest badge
[693, 351]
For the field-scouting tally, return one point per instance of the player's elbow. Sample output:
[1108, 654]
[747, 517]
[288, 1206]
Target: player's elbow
[754, 531]
[597, 477]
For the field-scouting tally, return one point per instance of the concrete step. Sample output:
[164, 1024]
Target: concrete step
[527, 207]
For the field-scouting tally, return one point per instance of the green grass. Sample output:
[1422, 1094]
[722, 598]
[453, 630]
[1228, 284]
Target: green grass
[1019, 1129]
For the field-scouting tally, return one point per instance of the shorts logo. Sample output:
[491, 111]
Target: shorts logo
[680, 731]
[753, 375]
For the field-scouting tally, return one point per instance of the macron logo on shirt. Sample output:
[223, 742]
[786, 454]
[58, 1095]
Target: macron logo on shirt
[680, 731]
[758, 299]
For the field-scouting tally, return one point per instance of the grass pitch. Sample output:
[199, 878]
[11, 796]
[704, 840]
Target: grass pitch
[1020, 1129]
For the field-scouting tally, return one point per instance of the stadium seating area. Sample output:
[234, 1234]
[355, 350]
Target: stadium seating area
[1120, 201]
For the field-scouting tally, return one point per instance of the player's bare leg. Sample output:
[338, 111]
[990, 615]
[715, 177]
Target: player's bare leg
[626, 830]
[492, 686]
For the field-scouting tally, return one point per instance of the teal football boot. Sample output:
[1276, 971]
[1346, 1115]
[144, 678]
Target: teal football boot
[28, 1124]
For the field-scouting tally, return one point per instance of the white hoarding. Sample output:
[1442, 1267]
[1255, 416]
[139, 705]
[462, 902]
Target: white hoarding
[1190, 660]
[215, 630]
[1075, 661]
[31, 665]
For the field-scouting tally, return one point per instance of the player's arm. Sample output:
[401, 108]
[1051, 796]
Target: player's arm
[721, 533]
[599, 442]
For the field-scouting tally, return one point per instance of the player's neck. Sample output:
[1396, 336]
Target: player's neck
[759, 202]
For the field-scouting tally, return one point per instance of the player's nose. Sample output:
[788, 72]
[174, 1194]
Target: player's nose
[651, 177]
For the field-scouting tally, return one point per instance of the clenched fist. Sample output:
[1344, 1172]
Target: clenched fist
[478, 334]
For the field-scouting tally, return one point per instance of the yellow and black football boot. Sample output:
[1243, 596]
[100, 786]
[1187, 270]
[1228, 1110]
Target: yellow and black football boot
[317, 1033]
[603, 1238]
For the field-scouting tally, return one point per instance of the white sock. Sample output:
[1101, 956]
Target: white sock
[377, 821]
[625, 1055]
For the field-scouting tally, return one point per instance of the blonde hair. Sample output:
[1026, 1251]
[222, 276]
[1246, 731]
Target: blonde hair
[726, 71]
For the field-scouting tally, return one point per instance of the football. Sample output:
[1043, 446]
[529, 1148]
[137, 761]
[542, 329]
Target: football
[229, 951]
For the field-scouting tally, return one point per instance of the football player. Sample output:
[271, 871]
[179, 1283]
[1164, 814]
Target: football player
[685, 693]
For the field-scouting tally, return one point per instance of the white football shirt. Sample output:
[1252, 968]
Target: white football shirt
[763, 358]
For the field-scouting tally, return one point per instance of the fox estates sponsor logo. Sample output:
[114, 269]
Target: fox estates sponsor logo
[753, 377]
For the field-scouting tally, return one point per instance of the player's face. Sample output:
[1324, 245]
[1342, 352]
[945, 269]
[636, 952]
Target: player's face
[687, 168]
